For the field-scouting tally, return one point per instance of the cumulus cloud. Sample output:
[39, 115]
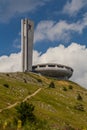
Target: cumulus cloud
[74, 55]
[10, 8]
[10, 63]
[74, 6]
[60, 31]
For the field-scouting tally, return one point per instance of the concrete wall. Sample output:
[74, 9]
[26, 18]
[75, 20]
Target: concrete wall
[54, 70]
[27, 34]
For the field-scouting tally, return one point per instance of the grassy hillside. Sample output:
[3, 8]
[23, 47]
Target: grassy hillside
[60, 107]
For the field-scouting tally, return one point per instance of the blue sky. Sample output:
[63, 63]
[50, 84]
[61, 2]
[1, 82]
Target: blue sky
[69, 13]
[60, 34]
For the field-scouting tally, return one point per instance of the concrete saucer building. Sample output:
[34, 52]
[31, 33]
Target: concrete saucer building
[50, 69]
[53, 70]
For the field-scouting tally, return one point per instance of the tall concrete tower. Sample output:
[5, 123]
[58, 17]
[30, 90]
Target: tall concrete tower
[27, 34]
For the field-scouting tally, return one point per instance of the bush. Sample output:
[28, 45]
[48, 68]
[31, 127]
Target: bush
[25, 112]
[79, 97]
[6, 85]
[7, 74]
[39, 80]
[52, 85]
[25, 81]
[70, 87]
[64, 89]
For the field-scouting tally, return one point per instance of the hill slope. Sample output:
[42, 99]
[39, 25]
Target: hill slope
[66, 104]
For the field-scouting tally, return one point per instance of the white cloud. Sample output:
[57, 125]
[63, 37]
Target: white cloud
[10, 8]
[60, 31]
[10, 63]
[74, 6]
[74, 55]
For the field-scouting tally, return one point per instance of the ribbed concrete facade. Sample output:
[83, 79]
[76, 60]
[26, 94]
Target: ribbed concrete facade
[27, 34]
[53, 70]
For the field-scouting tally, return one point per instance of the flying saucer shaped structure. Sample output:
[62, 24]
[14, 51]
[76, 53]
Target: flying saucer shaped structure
[53, 70]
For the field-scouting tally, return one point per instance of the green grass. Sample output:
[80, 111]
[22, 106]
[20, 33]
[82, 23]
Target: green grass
[57, 105]
[54, 105]
[17, 90]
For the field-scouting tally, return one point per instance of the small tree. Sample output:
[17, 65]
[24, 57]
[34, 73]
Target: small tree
[25, 112]
[52, 85]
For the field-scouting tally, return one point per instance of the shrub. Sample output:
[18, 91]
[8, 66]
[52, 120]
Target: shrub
[64, 89]
[70, 87]
[25, 112]
[52, 85]
[39, 80]
[79, 97]
[7, 74]
[6, 85]
[25, 81]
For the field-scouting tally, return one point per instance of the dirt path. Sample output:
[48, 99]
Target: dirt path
[28, 97]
